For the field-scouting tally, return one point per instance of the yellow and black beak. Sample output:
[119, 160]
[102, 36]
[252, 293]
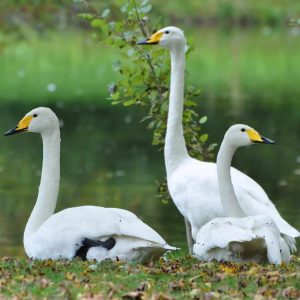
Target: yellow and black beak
[154, 39]
[21, 127]
[256, 138]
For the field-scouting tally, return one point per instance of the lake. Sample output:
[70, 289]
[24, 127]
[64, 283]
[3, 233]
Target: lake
[107, 157]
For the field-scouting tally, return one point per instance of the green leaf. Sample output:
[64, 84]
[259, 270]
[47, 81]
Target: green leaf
[116, 66]
[86, 16]
[151, 124]
[129, 102]
[130, 52]
[203, 120]
[115, 96]
[203, 138]
[145, 9]
[105, 13]
[211, 147]
[97, 23]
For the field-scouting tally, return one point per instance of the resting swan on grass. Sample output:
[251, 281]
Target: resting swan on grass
[235, 237]
[88, 232]
[193, 184]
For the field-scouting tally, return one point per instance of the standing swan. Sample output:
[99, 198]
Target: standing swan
[239, 238]
[89, 232]
[193, 184]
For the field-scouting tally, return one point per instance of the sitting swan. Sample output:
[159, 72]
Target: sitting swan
[193, 184]
[88, 232]
[238, 238]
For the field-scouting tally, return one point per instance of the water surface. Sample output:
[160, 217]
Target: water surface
[107, 157]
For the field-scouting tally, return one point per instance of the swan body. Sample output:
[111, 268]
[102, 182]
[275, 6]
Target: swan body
[236, 237]
[198, 181]
[61, 235]
[89, 232]
[193, 184]
[254, 238]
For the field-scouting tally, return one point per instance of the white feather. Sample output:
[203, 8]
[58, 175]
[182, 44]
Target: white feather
[61, 235]
[193, 184]
[239, 238]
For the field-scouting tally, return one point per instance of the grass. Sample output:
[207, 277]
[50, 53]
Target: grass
[69, 66]
[175, 277]
[55, 67]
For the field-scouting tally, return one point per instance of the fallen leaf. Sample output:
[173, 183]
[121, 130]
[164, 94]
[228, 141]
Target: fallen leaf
[291, 293]
[177, 285]
[91, 296]
[211, 295]
[161, 296]
[134, 295]
[144, 286]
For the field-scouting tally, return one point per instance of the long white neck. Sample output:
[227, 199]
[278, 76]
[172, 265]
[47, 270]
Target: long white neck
[49, 185]
[175, 148]
[229, 201]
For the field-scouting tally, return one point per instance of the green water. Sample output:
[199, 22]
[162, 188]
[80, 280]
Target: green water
[107, 157]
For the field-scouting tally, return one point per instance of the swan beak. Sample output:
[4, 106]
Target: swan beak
[153, 40]
[21, 127]
[267, 141]
[255, 137]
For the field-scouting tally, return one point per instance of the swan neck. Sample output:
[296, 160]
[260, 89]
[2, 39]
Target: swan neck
[175, 148]
[228, 197]
[49, 184]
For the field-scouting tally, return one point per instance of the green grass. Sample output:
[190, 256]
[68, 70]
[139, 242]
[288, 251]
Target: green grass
[176, 277]
[275, 12]
[235, 65]
[69, 62]
[240, 65]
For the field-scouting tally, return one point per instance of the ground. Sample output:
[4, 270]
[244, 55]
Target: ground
[173, 277]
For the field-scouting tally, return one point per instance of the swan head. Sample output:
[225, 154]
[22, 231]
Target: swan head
[40, 120]
[168, 37]
[243, 135]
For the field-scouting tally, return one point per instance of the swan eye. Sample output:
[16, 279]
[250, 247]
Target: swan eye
[243, 129]
[35, 115]
[167, 32]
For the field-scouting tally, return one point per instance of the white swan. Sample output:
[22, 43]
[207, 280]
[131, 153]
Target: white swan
[89, 232]
[239, 238]
[193, 184]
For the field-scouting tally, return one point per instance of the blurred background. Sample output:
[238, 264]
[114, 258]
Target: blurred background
[246, 61]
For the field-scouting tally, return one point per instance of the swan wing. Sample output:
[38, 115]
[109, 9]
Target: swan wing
[61, 235]
[194, 190]
[254, 201]
[228, 238]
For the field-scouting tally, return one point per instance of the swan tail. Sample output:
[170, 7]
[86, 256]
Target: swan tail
[284, 250]
[171, 248]
[291, 242]
[271, 236]
[284, 227]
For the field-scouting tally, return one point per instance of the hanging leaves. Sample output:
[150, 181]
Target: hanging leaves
[144, 74]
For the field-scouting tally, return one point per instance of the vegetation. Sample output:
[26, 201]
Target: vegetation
[44, 14]
[145, 76]
[145, 73]
[176, 277]
[48, 56]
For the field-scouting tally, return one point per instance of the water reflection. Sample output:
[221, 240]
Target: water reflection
[107, 159]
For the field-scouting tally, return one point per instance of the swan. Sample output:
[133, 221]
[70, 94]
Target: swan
[193, 184]
[236, 237]
[87, 232]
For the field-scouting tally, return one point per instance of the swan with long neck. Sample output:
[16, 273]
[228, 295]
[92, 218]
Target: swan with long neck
[88, 232]
[193, 184]
[236, 237]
